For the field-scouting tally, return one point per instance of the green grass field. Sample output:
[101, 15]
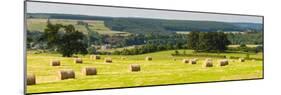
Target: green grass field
[161, 70]
[40, 24]
[94, 25]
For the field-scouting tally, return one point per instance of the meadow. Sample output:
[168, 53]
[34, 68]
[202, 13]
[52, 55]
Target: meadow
[94, 25]
[162, 69]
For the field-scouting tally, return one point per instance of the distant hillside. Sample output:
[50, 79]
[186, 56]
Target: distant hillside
[145, 25]
[253, 26]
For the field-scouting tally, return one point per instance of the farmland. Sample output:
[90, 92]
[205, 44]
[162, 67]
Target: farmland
[163, 69]
[161, 51]
[94, 25]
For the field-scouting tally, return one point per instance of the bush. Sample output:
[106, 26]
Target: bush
[91, 50]
[243, 46]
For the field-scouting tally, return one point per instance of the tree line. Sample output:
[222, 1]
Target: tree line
[208, 41]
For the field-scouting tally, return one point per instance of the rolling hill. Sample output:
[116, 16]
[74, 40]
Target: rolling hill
[145, 25]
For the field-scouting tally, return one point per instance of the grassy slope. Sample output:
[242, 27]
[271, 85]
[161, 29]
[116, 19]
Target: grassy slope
[94, 25]
[161, 70]
[99, 27]
[40, 24]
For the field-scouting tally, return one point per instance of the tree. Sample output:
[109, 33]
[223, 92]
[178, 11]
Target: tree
[72, 42]
[193, 38]
[91, 50]
[51, 34]
[243, 46]
[221, 41]
[67, 43]
[210, 41]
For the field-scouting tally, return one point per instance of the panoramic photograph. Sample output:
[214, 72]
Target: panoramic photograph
[74, 47]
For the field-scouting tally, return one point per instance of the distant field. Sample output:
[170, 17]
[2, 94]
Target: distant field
[94, 25]
[40, 24]
[239, 46]
[163, 69]
[120, 49]
[183, 32]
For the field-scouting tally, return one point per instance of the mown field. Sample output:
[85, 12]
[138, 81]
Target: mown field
[163, 69]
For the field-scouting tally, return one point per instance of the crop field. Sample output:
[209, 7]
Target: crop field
[162, 69]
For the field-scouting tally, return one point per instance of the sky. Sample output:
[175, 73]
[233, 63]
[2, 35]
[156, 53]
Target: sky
[40, 7]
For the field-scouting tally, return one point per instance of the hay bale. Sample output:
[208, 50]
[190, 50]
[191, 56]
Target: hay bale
[66, 74]
[30, 79]
[135, 68]
[193, 61]
[241, 60]
[223, 62]
[185, 61]
[95, 57]
[78, 60]
[208, 64]
[55, 63]
[148, 58]
[89, 71]
[108, 60]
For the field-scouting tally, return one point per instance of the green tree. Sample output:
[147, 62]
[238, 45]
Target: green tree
[210, 41]
[67, 43]
[72, 42]
[91, 50]
[193, 38]
[51, 34]
[221, 41]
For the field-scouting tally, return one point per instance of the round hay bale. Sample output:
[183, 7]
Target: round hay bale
[185, 61]
[108, 60]
[66, 74]
[30, 79]
[208, 64]
[241, 60]
[223, 62]
[193, 61]
[55, 63]
[135, 68]
[78, 60]
[95, 57]
[89, 71]
[148, 58]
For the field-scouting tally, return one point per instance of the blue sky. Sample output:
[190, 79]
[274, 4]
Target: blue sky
[38, 7]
